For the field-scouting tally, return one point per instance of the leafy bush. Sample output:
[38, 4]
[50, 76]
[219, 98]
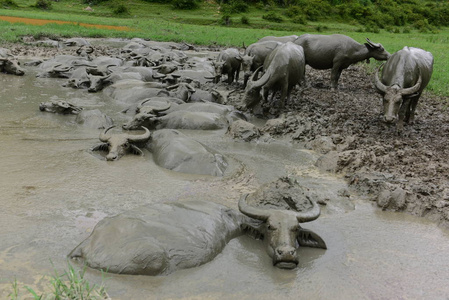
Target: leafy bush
[43, 4]
[226, 20]
[244, 20]
[8, 4]
[272, 17]
[238, 6]
[120, 9]
[184, 4]
[299, 19]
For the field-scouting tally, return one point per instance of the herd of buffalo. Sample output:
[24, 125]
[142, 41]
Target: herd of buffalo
[166, 87]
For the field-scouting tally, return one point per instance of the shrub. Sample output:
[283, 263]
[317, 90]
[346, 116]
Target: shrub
[299, 19]
[120, 9]
[43, 4]
[226, 20]
[272, 17]
[184, 4]
[244, 20]
[8, 4]
[238, 6]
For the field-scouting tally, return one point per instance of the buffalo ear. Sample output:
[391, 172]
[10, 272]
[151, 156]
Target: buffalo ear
[308, 238]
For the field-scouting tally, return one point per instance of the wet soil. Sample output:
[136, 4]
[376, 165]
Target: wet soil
[407, 172]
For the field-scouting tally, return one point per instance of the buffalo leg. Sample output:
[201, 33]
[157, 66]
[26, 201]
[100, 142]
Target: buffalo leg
[335, 76]
[403, 111]
[413, 104]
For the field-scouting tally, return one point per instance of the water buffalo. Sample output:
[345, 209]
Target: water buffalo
[284, 68]
[175, 151]
[8, 64]
[255, 56]
[337, 52]
[193, 120]
[159, 239]
[60, 107]
[118, 145]
[282, 39]
[228, 62]
[281, 231]
[404, 76]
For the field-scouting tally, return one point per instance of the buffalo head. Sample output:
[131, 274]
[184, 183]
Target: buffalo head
[11, 66]
[146, 116]
[394, 96]
[281, 231]
[118, 145]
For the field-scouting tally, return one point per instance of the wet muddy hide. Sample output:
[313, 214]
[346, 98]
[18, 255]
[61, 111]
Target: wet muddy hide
[159, 239]
[177, 152]
[94, 119]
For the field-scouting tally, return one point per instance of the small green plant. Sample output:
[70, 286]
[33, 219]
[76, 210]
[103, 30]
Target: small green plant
[43, 4]
[244, 20]
[272, 17]
[69, 285]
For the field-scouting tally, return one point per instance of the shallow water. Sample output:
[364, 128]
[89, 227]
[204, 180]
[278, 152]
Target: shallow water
[53, 192]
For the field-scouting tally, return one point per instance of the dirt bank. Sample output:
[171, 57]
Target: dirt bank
[402, 173]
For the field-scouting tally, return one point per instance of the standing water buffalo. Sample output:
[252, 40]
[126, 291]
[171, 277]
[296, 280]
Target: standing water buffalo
[228, 62]
[337, 52]
[255, 56]
[118, 145]
[404, 77]
[284, 68]
[281, 231]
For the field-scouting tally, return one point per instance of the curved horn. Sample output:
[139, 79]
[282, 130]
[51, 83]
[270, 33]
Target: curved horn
[78, 51]
[374, 45]
[163, 108]
[103, 136]
[413, 89]
[172, 87]
[89, 50]
[377, 83]
[256, 73]
[309, 215]
[251, 211]
[139, 106]
[139, 138]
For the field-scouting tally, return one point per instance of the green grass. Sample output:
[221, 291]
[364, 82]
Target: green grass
[161, 22]
[71, 284]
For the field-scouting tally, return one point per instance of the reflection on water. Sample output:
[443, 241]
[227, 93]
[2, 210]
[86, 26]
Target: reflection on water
[53, 192]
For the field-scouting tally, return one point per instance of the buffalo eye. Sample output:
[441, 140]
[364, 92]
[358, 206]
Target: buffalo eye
[270, 227]
[126, 145]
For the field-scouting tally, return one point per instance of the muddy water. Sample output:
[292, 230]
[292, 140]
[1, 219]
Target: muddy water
[53, 192]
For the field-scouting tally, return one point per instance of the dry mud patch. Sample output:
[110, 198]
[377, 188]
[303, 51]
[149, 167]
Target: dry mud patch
[407, 172]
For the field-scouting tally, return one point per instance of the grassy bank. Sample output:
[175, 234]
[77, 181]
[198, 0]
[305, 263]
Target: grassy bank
[161, 22]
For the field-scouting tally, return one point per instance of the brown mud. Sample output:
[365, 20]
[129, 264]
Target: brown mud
[407, 172]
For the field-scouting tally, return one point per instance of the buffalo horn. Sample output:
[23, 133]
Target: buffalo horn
[251, 211]
[139, 138]
[309, 215]
[103, 136]
[374, 45]
[378, 84]
[172, 87]
[413, 89]
[256, 73]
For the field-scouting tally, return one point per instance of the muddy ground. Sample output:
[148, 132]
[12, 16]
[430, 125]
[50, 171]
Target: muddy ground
[407, 172]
